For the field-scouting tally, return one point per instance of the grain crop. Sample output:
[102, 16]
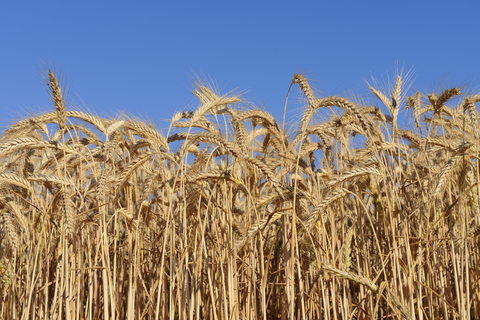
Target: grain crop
[350, 213]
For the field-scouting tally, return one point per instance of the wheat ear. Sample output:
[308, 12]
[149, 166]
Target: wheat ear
[57, 99]
[442, 178]
[347, 249]
[148, 132]
[313, 217]
[117, 125]
[11, 178]
[304, 86]
[254, 229]
[68, 213]
[366, 282]
[10, 228]
[382, 98]
[20, 143]
[354, 173]
[446, 95]
[132, 166]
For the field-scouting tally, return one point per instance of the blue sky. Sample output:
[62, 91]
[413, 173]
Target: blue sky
[139, 57]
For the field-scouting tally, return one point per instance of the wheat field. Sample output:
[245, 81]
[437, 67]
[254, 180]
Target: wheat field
[232, 214]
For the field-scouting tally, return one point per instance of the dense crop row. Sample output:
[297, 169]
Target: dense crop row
[229, 216]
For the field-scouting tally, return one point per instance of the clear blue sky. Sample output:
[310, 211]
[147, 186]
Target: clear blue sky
[138, 56]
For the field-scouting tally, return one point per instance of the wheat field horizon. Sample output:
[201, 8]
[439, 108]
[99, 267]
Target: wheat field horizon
[347, 213]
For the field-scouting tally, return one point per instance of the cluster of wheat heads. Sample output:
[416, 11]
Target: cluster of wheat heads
[228, 216]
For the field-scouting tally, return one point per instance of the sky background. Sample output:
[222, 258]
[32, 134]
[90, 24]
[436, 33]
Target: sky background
[140, 57]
